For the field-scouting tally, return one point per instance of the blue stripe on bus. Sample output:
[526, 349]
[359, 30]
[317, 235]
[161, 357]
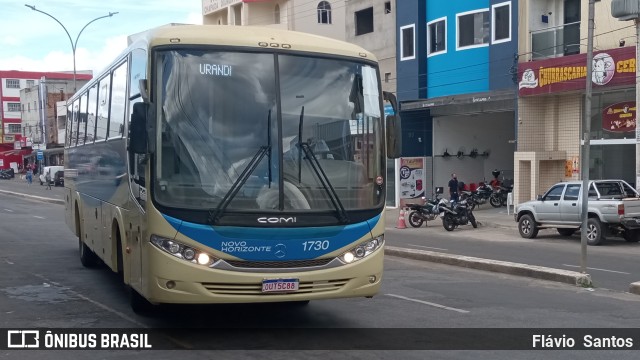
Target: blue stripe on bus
[274, 244]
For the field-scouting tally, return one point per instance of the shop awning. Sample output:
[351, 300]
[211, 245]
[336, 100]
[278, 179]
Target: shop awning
[495, 101]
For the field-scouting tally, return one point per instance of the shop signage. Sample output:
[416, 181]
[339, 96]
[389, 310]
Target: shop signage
[412, 179]
[620, 117]
[613, 67]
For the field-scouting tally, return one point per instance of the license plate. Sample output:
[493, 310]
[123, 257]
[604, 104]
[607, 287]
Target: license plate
[280, 285]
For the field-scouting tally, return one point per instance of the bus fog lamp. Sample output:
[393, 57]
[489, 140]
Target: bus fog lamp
[372, 279]
[171, 284]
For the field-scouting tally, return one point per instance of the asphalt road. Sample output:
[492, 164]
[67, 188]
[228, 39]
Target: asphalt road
[42, 284]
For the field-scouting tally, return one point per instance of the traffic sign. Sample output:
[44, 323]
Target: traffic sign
[40, 155]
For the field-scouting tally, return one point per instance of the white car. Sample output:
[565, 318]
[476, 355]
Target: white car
[52, 170]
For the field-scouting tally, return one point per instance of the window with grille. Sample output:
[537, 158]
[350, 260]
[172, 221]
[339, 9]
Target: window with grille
[13, 107]
[13, 83]
[324, 12]
[14, 128]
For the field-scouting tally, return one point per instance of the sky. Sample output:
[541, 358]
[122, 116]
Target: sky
[32, 41]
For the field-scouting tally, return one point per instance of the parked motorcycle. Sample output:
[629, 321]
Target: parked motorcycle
[423, 213]
[7, 174]
[499, 196]
[483, 193]
[455, 214]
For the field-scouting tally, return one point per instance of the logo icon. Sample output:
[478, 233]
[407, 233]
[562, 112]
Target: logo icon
[603, 69]
[528, 80]
[281, 251]
[22, 339]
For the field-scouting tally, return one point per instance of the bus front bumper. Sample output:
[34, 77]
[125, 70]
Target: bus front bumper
[173, 280]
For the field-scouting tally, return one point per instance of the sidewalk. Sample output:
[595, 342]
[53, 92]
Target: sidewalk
[486, 215]
[19, 187]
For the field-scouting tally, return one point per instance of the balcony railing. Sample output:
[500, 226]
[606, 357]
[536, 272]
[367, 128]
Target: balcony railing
[555, 41]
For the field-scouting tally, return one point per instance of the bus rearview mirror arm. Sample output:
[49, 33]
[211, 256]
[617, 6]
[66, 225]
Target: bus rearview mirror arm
[393, 128]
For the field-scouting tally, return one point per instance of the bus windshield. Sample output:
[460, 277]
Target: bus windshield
[247, 131]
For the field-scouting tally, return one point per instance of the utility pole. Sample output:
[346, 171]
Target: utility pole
[587, 143]
[630, 10]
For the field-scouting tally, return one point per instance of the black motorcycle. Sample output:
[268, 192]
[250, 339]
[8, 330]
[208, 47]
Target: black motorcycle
[422, 213]
[458, 213]
[499, 196]
[7, 174]
[483, 193]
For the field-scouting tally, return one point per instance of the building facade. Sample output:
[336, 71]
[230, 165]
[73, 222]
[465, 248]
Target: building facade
[551, 105]
[11, 115]
[455, 66]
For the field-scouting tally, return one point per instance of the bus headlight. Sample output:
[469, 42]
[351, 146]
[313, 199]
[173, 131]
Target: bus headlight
[362, 250]
[182, 251]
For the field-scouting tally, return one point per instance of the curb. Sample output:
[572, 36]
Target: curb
[634, 288]
[505, 267]
[34, 197]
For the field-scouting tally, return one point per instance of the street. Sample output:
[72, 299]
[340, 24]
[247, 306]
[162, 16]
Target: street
[43, 284]
[613, 265]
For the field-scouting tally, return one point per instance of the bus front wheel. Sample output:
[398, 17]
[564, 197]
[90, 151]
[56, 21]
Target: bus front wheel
[87, 257]
[139, 304]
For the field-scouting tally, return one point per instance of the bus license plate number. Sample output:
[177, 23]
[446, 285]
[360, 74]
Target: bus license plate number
[280, 285]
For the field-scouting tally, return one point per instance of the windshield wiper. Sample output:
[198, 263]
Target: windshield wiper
[324, 180]
[317, 168]
[214, 214]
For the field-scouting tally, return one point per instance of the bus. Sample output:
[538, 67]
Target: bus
[226, 164]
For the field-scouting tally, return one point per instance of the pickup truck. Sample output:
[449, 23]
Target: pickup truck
[613, 209]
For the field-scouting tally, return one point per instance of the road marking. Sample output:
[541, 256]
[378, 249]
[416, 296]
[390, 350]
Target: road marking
[428, 303]
[590, 268]
[113, 311]
[428, 247]
[7, 261]
[9, 210]
[38, 217]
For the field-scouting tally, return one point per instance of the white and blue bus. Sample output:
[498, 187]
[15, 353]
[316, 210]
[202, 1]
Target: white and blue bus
[225, 164]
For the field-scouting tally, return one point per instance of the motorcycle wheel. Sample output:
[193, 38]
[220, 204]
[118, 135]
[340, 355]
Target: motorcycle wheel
[447, 222]
[495, 201]
[415, 220]
[472, 220]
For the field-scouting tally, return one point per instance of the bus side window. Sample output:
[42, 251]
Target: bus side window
[137, 162]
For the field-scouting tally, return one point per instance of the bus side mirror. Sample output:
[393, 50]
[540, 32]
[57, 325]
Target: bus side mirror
[394, 137]
[138, 128]
[393, 129]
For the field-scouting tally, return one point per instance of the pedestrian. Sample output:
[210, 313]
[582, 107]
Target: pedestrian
[453, 188]
[29, 176]
[47, 178]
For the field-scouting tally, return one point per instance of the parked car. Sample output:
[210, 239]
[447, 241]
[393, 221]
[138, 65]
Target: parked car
[58, 178]
[51, 170]
[613, 208]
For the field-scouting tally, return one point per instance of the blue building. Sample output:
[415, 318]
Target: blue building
[455, 85]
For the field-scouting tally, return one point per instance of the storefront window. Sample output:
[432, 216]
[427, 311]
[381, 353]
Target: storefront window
[606, 129]
[613, 162]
